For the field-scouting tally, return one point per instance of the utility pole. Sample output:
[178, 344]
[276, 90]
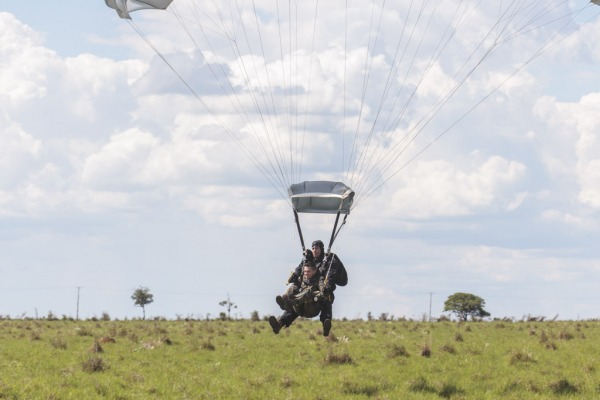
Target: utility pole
[77, 313]
[430, 298]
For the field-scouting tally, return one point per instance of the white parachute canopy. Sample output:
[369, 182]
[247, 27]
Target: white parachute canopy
[124, 7]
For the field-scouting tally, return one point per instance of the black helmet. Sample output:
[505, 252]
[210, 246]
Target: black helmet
[318, 243]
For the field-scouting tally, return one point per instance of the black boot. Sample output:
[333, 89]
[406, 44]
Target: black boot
[280, 302]
[326, 327]
[275, 324]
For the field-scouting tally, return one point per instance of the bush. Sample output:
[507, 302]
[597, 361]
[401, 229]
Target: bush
[426, 350]
[520, 357]
[93, 364]
[342, 358]
[398, 350]
[563, 387]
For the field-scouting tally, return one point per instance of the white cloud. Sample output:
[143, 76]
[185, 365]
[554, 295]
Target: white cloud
[123, 161]
[23, 62]
[88, 79]
[19, 152]
[438, 188]
[574, 133]
[583, 220]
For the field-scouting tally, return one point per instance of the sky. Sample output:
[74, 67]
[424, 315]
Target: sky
[114, 175]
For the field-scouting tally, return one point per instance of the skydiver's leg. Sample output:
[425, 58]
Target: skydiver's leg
[326, 316]
[326, 310]
[286, 301]
[275, 324]
[287, 318]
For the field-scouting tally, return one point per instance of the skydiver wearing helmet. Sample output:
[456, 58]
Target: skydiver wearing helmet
[326, 269]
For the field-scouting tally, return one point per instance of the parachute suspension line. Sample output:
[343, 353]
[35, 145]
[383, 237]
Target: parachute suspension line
[366, 75]
[251, 157]
[367, 156]
[345, 78]
[371, 154]
[294, 63]
[546, 46]
[286, 93]
[295, 55]
[360, 159]
[293, 67]
[525, 27]
[442, 100]
[172, 8]
[438, 137]
[426, 119]
[230, 34]
[275, 128]
[308, 87]
[233, 96]
[271, 134]
[379, 156]
[530, 21]
[257, 95]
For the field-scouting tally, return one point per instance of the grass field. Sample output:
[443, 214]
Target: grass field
[64, 359]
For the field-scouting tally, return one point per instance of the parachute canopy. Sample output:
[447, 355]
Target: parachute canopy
[323, 197]
[124, 7]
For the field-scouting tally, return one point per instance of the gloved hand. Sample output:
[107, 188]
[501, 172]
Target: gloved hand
[304, 295]
[320, 296]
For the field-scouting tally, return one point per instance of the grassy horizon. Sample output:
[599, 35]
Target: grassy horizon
[137, 359]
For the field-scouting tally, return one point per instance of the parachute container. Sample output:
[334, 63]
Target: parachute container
[124, 7]
[323, 197]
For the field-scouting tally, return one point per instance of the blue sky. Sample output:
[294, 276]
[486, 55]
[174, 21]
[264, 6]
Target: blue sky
[113, 176]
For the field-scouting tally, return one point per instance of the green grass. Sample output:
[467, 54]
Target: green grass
[42, 359]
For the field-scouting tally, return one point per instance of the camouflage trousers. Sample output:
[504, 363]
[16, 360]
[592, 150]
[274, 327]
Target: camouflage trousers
[302, 301]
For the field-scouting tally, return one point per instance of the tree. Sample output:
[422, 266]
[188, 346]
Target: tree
[142, 297]
[465, 304]
[229, 305]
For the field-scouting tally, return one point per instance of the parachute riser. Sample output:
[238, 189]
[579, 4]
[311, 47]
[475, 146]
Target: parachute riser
[299, 230]
[328, 255]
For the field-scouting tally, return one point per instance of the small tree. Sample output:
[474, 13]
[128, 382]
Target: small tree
[465, 304]
[229, 305]
[141, 297]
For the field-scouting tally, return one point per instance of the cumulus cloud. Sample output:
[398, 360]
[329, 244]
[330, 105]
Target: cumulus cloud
[24, 62]
[438, 188]
[575, 127]
[19, 152]
[506, 265]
